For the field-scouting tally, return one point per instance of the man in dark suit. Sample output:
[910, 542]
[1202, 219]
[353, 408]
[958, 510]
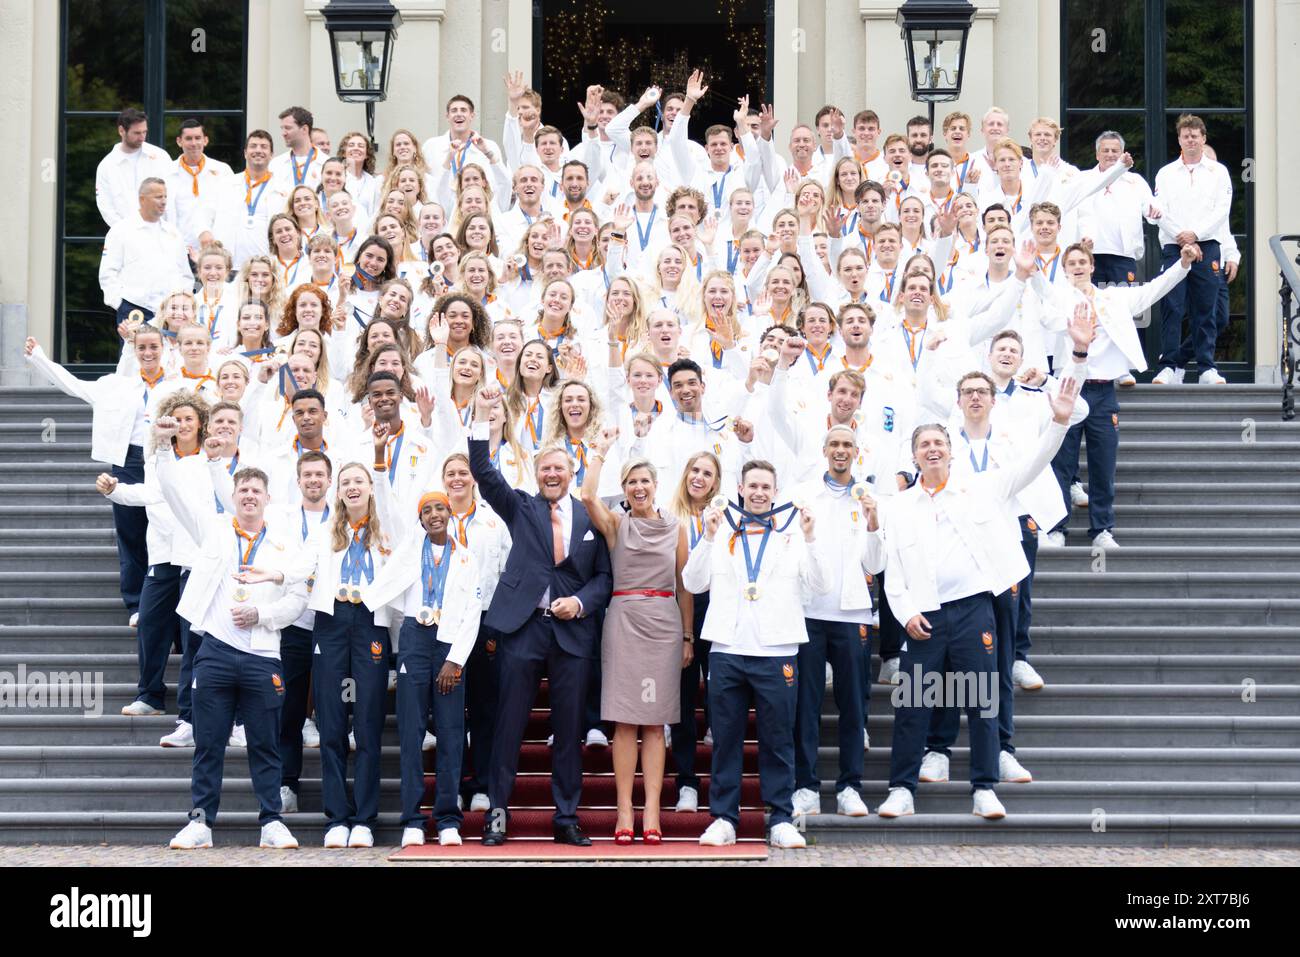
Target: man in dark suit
[555, 581]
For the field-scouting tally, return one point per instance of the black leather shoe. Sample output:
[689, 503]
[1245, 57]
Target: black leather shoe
[571, 834]
[493, 838]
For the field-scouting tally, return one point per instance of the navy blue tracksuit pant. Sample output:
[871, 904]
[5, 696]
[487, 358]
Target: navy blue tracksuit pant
[159, 630]
[418, 663]
[349, 665]
[945, 722]
[295, 656]
[131, 528]
[1198, 296]
[481, 680]
[840, 643]
[225, 680]
[1111, 270]
[1101, 429]
[770, 683]
[686, 732]
[962, 639]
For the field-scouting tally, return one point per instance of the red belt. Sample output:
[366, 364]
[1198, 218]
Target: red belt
[645, 592]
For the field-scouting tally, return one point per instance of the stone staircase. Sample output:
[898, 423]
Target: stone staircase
[1171, 713]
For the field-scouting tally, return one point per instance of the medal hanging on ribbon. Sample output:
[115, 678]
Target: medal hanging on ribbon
[433, 574]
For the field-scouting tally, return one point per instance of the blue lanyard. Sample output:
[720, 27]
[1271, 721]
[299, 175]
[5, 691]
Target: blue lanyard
[434, 573]
[887, 292]
[357, 316]
[1011, 387]
[582, 459]
[455, 166]
[247, 556]
[979, 466]
[214, 313]
[234, 464]
[719, 188]
[945, 285]
[812, 360]
[695, 529]
[921, 345]
[715, 426]
[754, 565]
[732, 257]
[323, 519]
[643, 236]
[357, 561]
[396, 456]
[835, 486]
[699, 268]
[252, 207]
[306, 166]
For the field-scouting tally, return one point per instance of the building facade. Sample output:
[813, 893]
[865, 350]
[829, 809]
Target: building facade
[68, 66]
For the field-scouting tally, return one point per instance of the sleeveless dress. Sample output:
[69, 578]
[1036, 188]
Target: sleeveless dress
[641, 647]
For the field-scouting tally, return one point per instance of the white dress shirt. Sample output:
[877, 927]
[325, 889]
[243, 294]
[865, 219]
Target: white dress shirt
[143, 262]
[118, 178]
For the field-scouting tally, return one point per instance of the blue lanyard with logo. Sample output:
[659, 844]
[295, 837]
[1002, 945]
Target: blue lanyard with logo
[978, 466]
[434, 573]
[732, 257]
[719, 189]
[643, 235]
[357, 561]
[753, 565]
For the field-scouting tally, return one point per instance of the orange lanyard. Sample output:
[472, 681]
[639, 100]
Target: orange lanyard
[862, 368]
[194, 173]
[462, 523]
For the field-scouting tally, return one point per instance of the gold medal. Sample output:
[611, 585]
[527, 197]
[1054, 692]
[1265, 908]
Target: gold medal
[349, 270]
[241, 593]
[425, 616]
[751, 592]
[311, 583]
[437, 616]
[719, 502]
[859, 491]
[354, 594]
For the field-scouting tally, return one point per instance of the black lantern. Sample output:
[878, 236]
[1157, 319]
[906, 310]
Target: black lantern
[362, 35]
[935, 33]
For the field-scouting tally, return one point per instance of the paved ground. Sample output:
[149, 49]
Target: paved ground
[837, 855]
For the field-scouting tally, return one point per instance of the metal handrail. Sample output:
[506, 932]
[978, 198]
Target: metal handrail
[1290, 339]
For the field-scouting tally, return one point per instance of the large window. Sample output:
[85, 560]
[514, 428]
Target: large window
[1134, 67]
[173, 59]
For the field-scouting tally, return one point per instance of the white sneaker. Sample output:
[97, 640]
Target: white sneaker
[550, 740]
[392, 680]
[668, 736]
[237, 737]
[1078, 497]
[1010, 770]
[596, 739]
[1052, 540]
[1024, 676]
[786, 835]
[140, 709]
[898, 804]
[806, 801]
[850, 804]
[288, 801]
[988, 806]
[1104, 539]
[934, 767]
[412, 837]
[277, 837]
[181, 737]
[688, 800]
[132, 622]
[719, 833]
[1168, 376]
[1212, 377]
[337, 836]
[360, 836]
[310, 734]
[430, 741]
[889, 672]
[449, 837]
[708, 737]
[480, 802]
[830, 675]
[1126, 381]
[866, 740]
[352, 740]
[191, 837]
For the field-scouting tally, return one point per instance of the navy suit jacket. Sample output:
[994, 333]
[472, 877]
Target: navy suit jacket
[530, 569]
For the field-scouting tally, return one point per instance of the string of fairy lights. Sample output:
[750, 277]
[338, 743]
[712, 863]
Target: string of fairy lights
[577, 49]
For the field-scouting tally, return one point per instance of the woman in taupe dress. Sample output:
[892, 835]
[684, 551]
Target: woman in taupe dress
[647, 637]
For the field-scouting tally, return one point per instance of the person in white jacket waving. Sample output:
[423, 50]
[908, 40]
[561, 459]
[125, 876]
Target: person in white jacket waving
[757, 578]
[239, 596]
[945, 563]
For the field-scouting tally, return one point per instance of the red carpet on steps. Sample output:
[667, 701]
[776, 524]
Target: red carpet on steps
[532, 807]
[550, 852]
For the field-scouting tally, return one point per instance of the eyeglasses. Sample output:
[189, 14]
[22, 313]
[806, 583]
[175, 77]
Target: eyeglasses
[967, 393]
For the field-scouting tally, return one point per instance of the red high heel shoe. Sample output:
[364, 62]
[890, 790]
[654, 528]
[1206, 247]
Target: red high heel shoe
[623, 836]
[653, 836]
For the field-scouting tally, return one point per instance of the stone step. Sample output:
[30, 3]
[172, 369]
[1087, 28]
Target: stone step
[1244, 430]
[1191, 558]
[1106, 583]
[1179, 469]
[1191, 450]
[1213, 537]
[57, 537]
[63, 557]
[54, 493]
[1206, 515]
[61, 611]
[59, 452]
[89, 640]
[1246, 640]
[1202, 493]
[75, 517]
[50, 428]
[1166, 612]
[1222, 699]
[1196, 411]
[55, 585]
